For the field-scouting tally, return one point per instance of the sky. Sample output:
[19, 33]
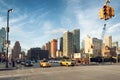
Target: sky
[35, 22]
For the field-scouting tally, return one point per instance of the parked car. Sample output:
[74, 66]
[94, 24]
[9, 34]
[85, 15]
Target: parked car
[28, 63]
[23, 62]
[44, 63]
[33, 61]
[18, 61]
[66, 62]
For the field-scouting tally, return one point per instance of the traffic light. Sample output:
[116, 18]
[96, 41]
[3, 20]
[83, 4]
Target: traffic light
[101, 14]
[106, 12]
[104, 8]
[111, 11]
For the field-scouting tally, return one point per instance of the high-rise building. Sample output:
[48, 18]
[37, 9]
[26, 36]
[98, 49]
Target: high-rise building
[16, 50]
[2, 39]
[97, 47]
[68, 44]
[71, 43]
[61, 44]
[48, 47]
[37, 54]
[43, 47]
[76, 40]
[87, 44]
[93, 46]
[83, 45]
[108, 41]
[59, 53]
[53, 47]
[115, 44]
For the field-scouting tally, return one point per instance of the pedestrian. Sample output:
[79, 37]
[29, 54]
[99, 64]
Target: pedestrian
[13, 62]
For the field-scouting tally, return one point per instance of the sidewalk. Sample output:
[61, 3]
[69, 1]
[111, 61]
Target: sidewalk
[2, 67]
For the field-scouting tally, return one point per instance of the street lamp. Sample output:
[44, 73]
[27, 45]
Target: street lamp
[7, 34]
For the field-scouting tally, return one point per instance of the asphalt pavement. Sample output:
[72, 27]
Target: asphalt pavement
[19, 66]
[93, 72]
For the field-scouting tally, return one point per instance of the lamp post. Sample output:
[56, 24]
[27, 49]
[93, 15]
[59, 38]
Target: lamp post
[7, 34]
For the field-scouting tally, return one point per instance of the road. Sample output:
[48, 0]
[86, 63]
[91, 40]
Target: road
[36, 65]
[94, 72]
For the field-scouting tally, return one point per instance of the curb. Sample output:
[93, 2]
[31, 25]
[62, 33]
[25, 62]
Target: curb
[6, 69]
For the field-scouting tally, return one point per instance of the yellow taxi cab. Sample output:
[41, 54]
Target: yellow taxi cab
[66, 62]
[45, 63]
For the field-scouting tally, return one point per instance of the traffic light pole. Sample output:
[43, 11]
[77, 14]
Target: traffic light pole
[107, 1]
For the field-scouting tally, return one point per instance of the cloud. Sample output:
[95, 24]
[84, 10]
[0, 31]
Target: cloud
[51, 30]
[29, 29]
[115, 28]
[55, 31]
[2, 22]
[18, 19]
[4, 4]
[114, 31]
[88, 21]
[34, 28]
[86, 18]
[66, 22]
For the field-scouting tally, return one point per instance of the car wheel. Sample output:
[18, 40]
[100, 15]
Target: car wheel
[67, 64]
[61, 64]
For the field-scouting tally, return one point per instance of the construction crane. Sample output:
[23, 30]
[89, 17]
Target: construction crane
[103, 32]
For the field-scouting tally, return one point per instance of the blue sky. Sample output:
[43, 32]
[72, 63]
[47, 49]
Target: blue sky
[35, 22]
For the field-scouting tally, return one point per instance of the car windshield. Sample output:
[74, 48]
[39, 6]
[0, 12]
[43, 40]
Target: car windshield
[67, 60]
